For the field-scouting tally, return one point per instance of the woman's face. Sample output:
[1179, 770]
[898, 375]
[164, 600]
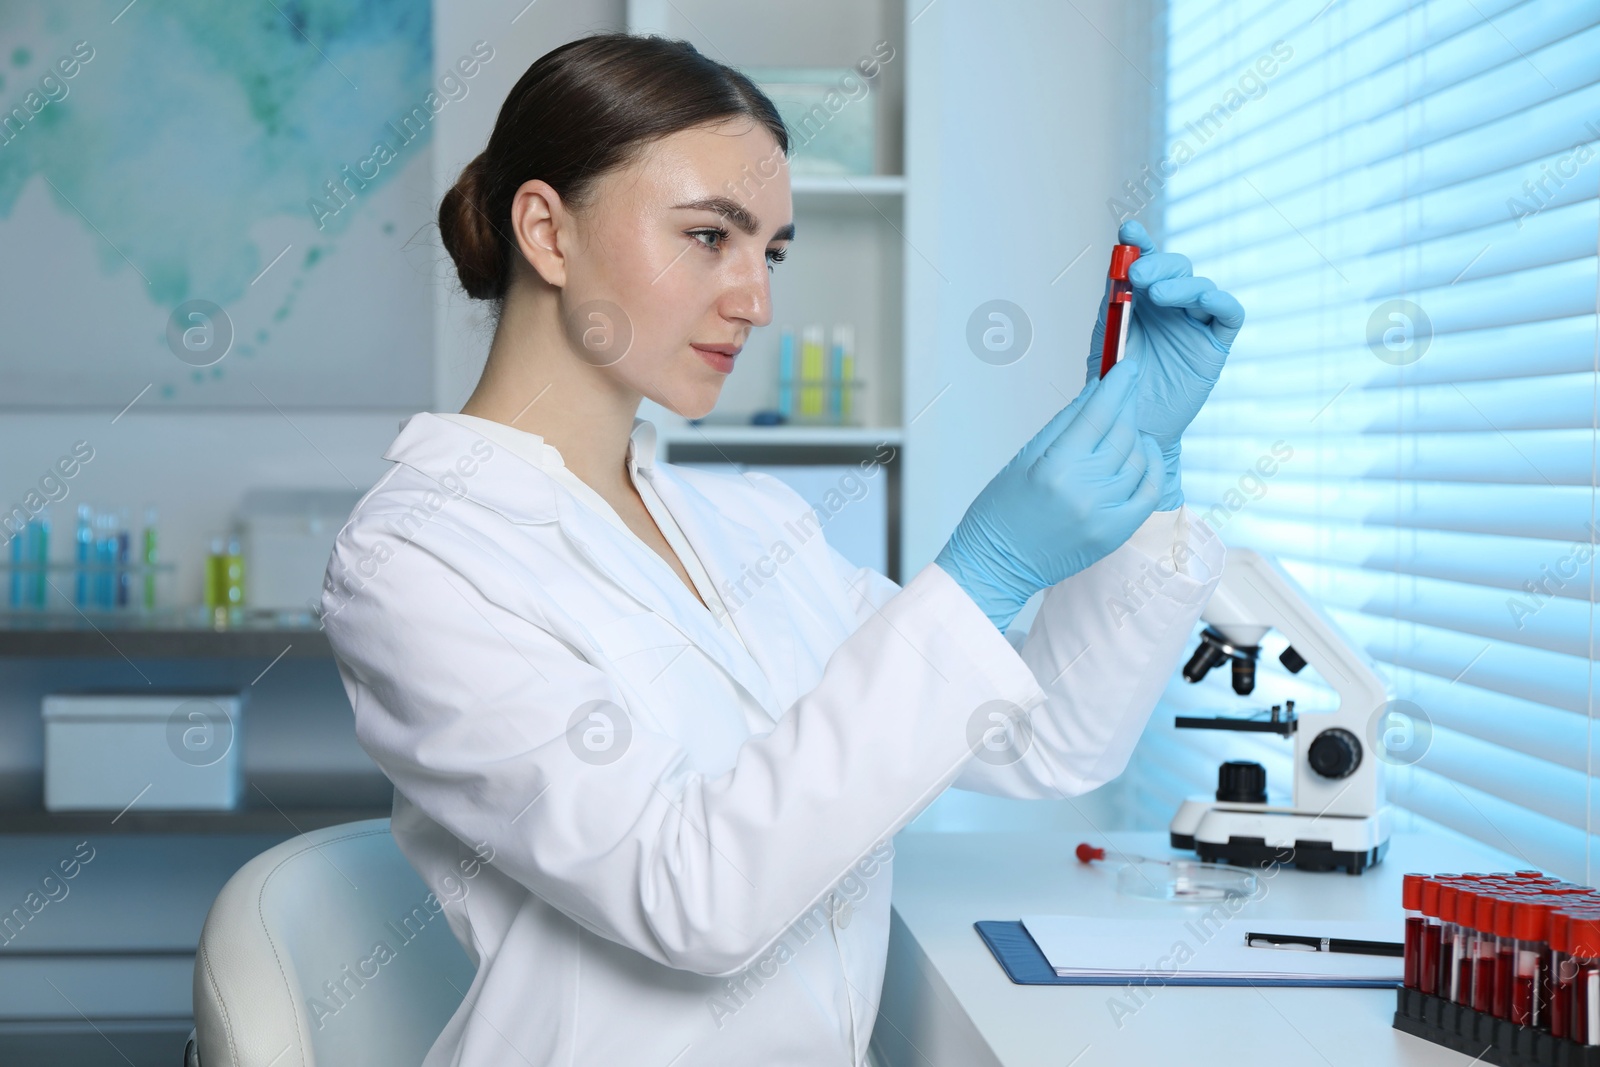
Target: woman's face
[671, 266]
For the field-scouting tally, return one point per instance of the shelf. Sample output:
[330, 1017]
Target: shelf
[73, 638]
[870, 185]
[288, 821]
[793, 436]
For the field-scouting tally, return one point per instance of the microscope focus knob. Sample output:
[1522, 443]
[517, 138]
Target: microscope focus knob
[1242, 782]
[1335, 753]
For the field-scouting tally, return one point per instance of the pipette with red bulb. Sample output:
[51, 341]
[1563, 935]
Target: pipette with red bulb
[1088, 853]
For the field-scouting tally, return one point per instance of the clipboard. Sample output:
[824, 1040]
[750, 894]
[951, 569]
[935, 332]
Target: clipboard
[1014, 950]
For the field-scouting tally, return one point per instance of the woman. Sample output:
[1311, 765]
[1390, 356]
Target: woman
[650, 738]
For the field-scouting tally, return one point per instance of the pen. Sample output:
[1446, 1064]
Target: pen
[1306, 943]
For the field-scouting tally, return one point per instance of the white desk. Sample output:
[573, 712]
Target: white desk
[947, 1002]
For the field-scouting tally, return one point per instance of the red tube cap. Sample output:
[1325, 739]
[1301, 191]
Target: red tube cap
[1488, 908]
[1447, 901]
[1530, 920]
[1583, 937]
[1505, 910]
[1122, 257]
[1430, 896]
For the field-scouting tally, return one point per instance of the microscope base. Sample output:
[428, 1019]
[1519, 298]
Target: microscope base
[1307, 855]
[1258, 836]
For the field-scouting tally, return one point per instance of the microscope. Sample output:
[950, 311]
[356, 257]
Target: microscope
[1337, 817]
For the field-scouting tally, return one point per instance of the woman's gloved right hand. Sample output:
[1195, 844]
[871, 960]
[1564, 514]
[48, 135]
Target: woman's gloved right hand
[1072, 495]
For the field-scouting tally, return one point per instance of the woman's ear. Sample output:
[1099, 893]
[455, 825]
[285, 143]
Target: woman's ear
[541, 225]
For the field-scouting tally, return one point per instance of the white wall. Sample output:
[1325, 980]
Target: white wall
[1023, 121]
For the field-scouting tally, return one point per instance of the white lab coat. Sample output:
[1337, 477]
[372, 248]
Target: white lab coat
[701, 877]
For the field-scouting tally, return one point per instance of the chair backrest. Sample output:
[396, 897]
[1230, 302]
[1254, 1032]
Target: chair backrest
[326, 949]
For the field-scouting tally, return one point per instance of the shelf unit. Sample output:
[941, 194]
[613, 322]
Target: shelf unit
[261, 820]
[41, 639]
[848, 261]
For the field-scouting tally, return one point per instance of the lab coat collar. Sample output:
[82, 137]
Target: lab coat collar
[443, 451]
[437, 447]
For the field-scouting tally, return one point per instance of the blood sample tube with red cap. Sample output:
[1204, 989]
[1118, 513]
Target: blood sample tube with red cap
[1119, 307]
[1576, 935]
[1530, 978]
[1562, 972]
[1583, 943]
[1411, 900]
[1485, 945]
[1486, 950]
[1428, 964]
[1451, 940]
[1512, 959]
[1465, 945]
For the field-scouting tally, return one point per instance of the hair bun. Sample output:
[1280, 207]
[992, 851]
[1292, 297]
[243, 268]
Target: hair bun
[469, 235]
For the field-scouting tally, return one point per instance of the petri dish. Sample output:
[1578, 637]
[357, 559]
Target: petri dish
[1184, 881]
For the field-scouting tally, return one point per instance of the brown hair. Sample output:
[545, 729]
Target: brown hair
[577, 112]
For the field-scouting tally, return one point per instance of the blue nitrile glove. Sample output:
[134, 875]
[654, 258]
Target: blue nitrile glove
[1182, 326]
[1074, 493]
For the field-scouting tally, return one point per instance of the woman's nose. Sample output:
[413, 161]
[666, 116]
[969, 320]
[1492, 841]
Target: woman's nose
[750, 298]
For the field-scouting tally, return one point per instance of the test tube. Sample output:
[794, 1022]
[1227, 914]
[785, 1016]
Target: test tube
[1564, 967]
[1471, 941]
[786, 372]
[124, 547]
[1428, 966]
[1562, 972]
[215, 579]
[1530, 968]
[843, 342]
[1583, 944]
[1506, 944]
[148, 557]
[39, 552]
[18, 544]
[1411, 900]
[1464, 948]
[1486, 950]
[105, 557]
[1450, 940]
[83, 554]
[1490, 979]
[1119, 306]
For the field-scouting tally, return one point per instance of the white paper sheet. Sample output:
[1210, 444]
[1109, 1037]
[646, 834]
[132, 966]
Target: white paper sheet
[1199, 946]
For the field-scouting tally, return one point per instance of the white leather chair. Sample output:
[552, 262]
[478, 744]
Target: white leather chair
[290, 971]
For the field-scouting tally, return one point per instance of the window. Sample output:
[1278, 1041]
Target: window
[1404, 197]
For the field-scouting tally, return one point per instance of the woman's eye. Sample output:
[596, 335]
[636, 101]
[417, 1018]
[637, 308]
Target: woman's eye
[714, 239]
[720, 235]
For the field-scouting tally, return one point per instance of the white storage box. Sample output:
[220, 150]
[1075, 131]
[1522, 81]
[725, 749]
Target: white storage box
[156, 752]
[287, 538]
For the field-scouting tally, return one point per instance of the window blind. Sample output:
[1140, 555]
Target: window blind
[1406, 198]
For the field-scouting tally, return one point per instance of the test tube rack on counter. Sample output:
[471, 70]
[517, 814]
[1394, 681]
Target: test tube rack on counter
[817, 383]
[1504, 967]
[112, 569]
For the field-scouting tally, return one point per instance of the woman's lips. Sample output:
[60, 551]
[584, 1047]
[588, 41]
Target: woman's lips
[720, 357]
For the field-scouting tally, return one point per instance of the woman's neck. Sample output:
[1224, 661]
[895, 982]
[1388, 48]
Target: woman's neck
[532, 382]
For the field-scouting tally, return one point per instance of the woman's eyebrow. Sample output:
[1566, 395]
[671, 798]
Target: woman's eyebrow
[735, 213]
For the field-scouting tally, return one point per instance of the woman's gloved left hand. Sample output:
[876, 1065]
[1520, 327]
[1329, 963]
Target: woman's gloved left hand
[1182, 328]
